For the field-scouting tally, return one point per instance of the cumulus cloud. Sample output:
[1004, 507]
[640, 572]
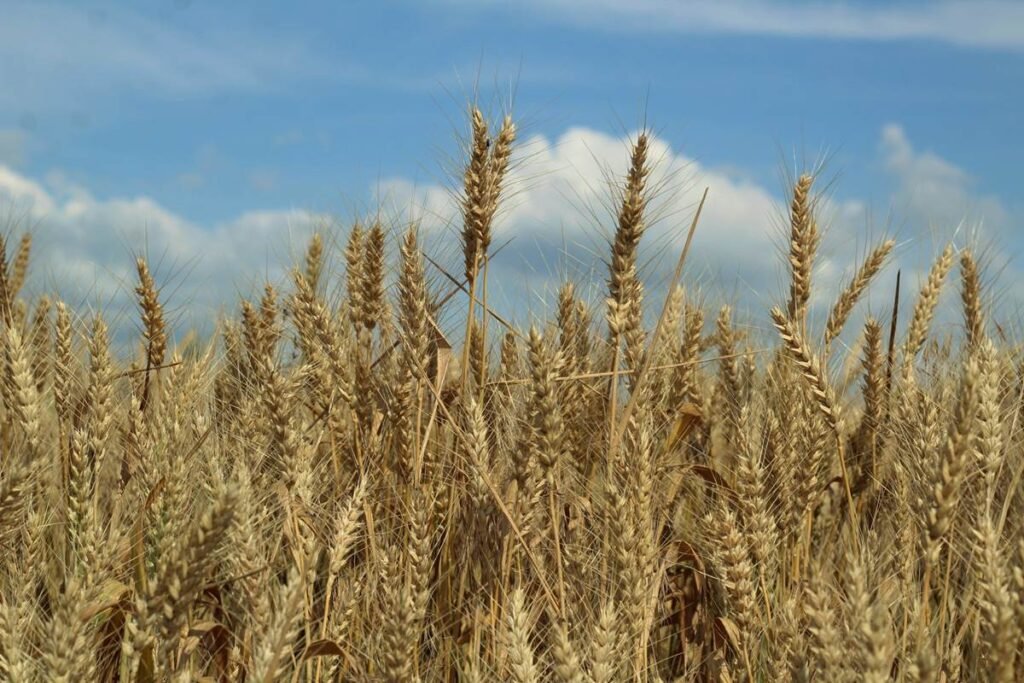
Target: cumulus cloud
[982, 23]
[560, 210]
[561, 200]
[84, 247]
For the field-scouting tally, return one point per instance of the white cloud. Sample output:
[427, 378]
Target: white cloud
[559, 191]
[84, 247]
[980, 23]
[558, 194]
[23, 191]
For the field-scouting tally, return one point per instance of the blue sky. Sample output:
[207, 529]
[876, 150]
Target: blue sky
[193, 123]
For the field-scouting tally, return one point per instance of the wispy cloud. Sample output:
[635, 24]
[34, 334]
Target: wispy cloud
[263, 179]
[12, 146]
[63, 54]
[66, 53]
[290, 137]
[997, 24]
[934, 190]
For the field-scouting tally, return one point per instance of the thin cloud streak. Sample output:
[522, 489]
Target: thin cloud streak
[995, 24]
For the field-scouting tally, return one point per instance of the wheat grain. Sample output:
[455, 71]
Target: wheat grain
[855, 289]
[970, 294]
[803, 242]
[316, 494]
[924, 309]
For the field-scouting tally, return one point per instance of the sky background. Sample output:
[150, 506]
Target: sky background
[213, 135]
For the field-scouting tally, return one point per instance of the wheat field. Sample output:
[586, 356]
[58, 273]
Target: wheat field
[332, 490]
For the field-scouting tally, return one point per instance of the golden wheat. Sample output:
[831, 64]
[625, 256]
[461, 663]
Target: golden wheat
[326, 492]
